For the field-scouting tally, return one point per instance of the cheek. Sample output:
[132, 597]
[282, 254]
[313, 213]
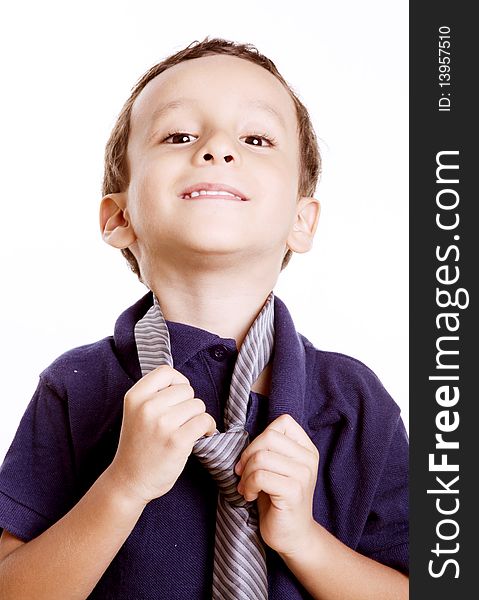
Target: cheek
[283, 177]
[281, 205]
[281, 193]
[278, 216]
[146, 186]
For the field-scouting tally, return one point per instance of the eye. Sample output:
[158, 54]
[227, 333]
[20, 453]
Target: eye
[257, 140]
[177, 137]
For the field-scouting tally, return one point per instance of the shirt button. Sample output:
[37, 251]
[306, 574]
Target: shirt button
[219, 352]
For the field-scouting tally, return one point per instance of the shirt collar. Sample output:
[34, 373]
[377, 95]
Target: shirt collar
[289, 373]
[186, 341]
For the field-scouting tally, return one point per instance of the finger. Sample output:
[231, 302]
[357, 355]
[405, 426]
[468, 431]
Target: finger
[275, 485]
[286, 425]
[174, 394]
[192, 430]
[158, 379]
[273, 440]
[276, 463]
[178, 414]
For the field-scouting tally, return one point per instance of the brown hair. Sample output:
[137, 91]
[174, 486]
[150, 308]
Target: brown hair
[116, 175]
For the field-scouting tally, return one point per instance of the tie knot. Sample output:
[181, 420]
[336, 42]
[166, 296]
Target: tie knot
[219, 454]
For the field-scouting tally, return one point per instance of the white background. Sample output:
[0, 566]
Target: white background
[66, 71]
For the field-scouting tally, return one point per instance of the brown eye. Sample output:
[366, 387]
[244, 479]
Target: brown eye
[178, 138]
[258, 139]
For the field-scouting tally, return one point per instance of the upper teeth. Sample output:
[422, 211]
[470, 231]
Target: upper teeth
[211, 193]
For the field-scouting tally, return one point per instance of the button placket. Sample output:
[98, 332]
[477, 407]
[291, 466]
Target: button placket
[219, 352]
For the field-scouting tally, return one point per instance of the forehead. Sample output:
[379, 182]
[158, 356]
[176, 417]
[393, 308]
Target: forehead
[226, 84]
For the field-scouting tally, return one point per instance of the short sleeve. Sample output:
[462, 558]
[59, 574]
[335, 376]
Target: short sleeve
[386, 534]
[37, 477]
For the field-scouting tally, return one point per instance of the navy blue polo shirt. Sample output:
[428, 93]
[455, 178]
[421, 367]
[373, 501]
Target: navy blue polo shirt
[70, 431]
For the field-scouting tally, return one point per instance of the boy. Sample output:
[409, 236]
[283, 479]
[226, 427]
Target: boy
[109, 490]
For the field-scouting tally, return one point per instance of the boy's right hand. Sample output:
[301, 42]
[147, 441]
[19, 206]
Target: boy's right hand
[161, 422]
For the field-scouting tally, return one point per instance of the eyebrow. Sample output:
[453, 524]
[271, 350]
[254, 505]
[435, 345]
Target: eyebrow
[171, 105]
[180, 102]
[268, 108]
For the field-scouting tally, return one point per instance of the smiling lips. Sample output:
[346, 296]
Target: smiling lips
[212, 190]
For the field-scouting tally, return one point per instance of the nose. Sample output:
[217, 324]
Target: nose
[209, 156]
[217, 148]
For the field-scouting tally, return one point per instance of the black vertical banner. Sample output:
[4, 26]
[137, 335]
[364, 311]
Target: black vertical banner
[444, 270]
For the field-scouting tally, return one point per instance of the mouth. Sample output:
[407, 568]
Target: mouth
[206, 190]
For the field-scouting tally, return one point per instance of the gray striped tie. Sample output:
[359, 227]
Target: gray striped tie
[239, 570]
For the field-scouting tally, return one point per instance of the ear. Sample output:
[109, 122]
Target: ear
[300, 238]
[115, 225]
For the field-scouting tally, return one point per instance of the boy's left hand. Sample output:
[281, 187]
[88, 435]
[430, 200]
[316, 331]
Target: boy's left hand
[279, 470]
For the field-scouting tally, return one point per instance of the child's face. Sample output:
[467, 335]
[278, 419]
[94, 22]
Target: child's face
[222, 106]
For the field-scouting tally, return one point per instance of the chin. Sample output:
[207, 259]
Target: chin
[212, 251]
[212, 240]
[216, 250]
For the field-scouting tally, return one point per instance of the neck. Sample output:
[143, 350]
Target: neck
[223, 302]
